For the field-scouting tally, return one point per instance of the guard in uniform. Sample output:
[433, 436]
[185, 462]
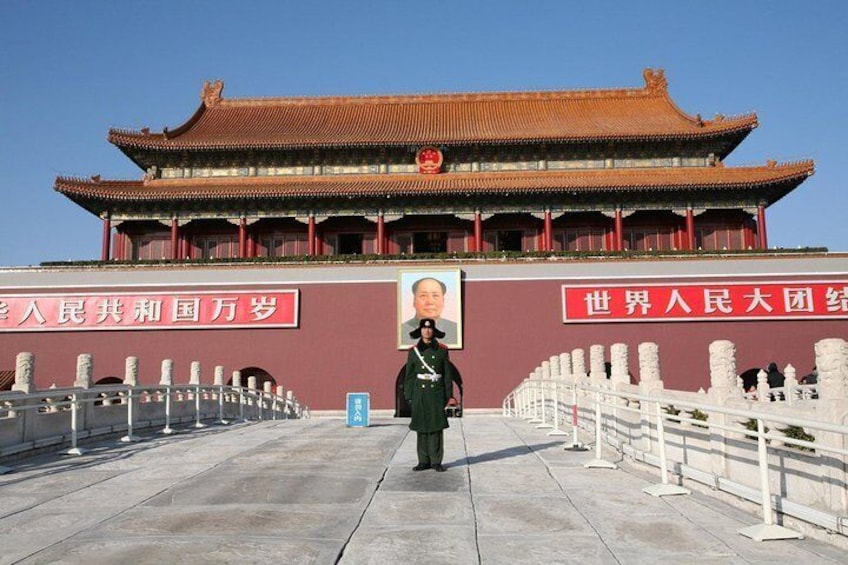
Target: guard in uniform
[428, 387]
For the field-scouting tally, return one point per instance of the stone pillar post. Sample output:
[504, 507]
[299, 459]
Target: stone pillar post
[650, 384]
[219, 375]
[722, 389]
[565, 365]
[597, 370]
[167, 378]
[85, 368]
[131, 371]
[24, 373]
[194, 379]
[237, 379]
[553, 362]
[578, 362]
[620, 372]
[832, 365]
[24, 382]
[251, 383]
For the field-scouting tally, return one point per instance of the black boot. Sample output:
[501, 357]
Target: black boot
[421, 467]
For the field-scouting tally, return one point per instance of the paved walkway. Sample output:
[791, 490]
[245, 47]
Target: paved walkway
[313, 491]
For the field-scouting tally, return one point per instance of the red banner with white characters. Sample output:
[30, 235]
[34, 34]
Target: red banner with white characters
[708, 301]
[149, 310]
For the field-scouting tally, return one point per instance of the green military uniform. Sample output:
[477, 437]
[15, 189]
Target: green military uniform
[427, 396]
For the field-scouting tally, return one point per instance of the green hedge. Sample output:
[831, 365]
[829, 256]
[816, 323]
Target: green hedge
[447, 257]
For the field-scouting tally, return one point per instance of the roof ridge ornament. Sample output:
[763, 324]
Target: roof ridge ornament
[210, 94]
[655, 80]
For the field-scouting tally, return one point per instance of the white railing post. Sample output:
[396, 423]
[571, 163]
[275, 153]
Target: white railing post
[575, 444]
[598, 462]
[543, 384]
[768, 530]
[130, 417]
[197, 422]
[74, 450]
[167, 380]
[557, 386]
[219, 382]
[664, 488]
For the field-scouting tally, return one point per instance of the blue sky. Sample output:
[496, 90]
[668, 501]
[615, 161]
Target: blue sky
[71, 70]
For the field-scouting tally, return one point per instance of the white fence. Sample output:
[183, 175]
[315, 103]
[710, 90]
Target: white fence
[32, 419]
[785, 449]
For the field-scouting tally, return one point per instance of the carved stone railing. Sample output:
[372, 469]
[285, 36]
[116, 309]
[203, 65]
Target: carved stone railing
[785, 448]
[32, 419]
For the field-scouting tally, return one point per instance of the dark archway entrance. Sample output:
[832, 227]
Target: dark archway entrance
[262, 376]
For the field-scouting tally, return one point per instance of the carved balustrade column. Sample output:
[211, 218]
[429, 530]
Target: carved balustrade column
[650, 384]
[24, 373]
[832, 387]
[578, 363]
[85, 369]
[131, 371]
[167, 375]
[619, 371]
[565, 365]
[597, 370]
[555, 366]
[194, 378]
[723, 391]
[219, 375]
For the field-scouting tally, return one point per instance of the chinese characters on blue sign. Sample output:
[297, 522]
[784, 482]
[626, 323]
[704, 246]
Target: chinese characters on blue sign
[358, 409]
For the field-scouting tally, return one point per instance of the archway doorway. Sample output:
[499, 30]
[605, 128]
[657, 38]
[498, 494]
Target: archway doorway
[262, 376]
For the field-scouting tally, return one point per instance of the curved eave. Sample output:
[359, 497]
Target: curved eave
[94, 195]
[129, 141]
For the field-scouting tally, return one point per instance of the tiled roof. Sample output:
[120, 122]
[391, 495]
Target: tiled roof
[405, 185]
[639, 114]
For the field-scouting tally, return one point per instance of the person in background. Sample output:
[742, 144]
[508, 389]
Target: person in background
[811, 378]
[775, 377]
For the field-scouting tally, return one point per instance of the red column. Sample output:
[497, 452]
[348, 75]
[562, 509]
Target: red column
[690, 229]
[251, 244]
[618, 232]
[547, 244]
[242, 237]
[310, 236]
[762, 240]
[478, 232]
[175, 239]
[381, 235]
[107, 238]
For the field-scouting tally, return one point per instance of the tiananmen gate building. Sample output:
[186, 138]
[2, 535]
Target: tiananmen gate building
[282, 237]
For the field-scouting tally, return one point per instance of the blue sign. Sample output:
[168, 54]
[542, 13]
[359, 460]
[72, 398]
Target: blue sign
[358, 409]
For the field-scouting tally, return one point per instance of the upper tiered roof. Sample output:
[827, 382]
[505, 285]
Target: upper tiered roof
[627, 114]
[771, 182]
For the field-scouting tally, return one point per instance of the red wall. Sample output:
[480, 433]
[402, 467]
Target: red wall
[346, 343]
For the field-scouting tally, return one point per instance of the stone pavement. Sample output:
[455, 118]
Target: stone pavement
[314, 491]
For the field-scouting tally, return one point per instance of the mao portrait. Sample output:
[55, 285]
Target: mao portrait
[432, 294]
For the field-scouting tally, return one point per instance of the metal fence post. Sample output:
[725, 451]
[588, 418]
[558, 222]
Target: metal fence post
[598, 462]
[768, 530]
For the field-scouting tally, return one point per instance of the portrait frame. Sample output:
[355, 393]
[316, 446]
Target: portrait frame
[450, 317]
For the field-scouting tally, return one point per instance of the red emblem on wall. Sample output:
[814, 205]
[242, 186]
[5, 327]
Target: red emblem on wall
[429, 160]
